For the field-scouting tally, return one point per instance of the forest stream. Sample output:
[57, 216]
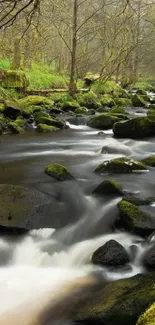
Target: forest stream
[77, 222]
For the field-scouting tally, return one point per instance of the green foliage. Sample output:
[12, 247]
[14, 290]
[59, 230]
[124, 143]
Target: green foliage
[145, 85]
[102, 87]
[5, 64]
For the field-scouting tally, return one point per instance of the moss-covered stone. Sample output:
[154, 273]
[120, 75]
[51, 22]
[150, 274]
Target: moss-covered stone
[149, 161]
[55, 110]
[138, 127]
[123, 117]
[123, 102]
[120, 165]
[138, 101]
[120, 302]
[134, 219]
[103, 121]
[70, 106]
[88, 100]
[109, 188]
[138, 201]
[11, 109]
[141, 92]
[1, 108]
[110, 254]
[81, 110]
[2, 123]
[151, 112]
[148, 318]
[104, 109]
[14, 79]
[44, 128]
[117, 109]
[20, 121]
[107, 100]
[36, 101]
[50, 121]
[15, 128]
[58, 172]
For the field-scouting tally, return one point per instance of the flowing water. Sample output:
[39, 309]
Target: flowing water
[47, 258]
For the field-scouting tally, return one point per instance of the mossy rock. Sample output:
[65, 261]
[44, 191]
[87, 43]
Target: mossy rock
[21, 122]
[149, 161]
[141, 92]
[88, 100]
[120, 165]
[149, 257]
[134, 219]
[121, 93]
[123, 102]
[103, 121]
[1, 108]
[117, 109]
[138, 101]
[37, 115]
[44, 128]
[11, 109]
[55, 110]
[36, 101]
[91, 111]
[139, 201]
[104, 109]
[70, 106]
[14, 79]
[110, 254]
[123, 117]
[151, 112]
[107, 100]
[59, 172]
[50, 121]
[81, 110]
[2, 123]
[18, 205]
[148, 318]
[138, 127]
[119, 302]
[109, 188]
[15, 128]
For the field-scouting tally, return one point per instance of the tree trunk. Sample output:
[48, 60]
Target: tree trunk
[17, 55]
[72, 84]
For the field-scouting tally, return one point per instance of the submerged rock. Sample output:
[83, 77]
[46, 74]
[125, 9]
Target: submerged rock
[44, 128]
[18, 205]
[103, 121]
[58, 172]
[138, 127]
[148, 318]
[149, 161]
[134, 219]
[109, 188]
[110, 254]
[120, 165]
[120, 302]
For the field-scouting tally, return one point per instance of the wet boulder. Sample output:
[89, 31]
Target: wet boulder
[109, 188]
[103, 121]
[125, 102]
[51, 121]
[81, 110]
[141, 92]
[44, 128]
[35, 100]
[148, 317]
[15, 128]
[149, 161]
[110, 254]
[151, 112]
[138, 101]
[133, 219]
[119, 302]
[138, 127]
[117, 109]
[120, 165]
[107, 100]
[139, 200]
[149, 258]
[151, 238]
[59, 172]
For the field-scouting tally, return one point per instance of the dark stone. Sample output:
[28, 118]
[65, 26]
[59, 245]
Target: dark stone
[109, 188]
[133, 249]
[110, 254]
[149, 258]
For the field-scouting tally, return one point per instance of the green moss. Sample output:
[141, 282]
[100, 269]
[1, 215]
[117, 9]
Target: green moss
[14, 79]
[138, 101]
[58, 172]
[108, 188]
[50, 121]
[150, 161]
[120, 165]
[103, 121]
[108, 87]
[88, 100]
[148, 318]
[44, 128]
[107, 100]
[120, 116]
[1, 107]
[80, 110]
[36, 100]
[70, 106]
[123, 102]
[20, 121]
[117, 109]
[151, 112]
[14, 128]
